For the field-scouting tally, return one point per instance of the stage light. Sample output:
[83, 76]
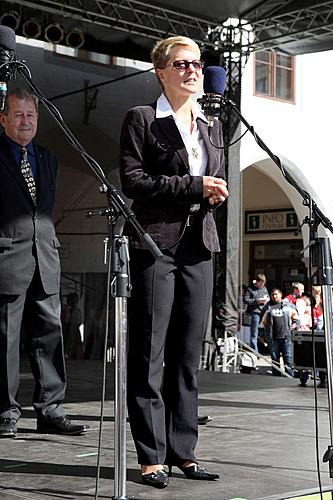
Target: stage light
[31, 28]
[75, 38]
[54, 33]
[11, 19]
[234, 37]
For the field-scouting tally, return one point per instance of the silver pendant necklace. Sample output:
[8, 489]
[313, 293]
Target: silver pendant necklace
[195, 153]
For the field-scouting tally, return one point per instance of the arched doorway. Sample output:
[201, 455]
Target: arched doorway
[272, 241]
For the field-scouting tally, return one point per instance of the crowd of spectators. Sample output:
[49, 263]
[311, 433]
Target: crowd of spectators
[271, 318]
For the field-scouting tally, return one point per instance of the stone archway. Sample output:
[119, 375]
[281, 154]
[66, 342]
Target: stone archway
[264, 188]
[266, 166]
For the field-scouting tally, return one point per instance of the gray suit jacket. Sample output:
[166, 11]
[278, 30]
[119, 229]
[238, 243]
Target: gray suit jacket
[27, 234]
[155, 173]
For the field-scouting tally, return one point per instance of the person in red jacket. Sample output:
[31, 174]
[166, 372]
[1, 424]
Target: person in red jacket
[297, 290]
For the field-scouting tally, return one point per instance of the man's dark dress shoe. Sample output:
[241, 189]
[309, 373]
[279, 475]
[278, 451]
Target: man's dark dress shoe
[158, 479]
[60, 425]
[204, 419]
[196, 472]
[8, 427]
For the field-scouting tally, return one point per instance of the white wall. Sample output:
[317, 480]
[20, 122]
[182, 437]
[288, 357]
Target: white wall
[300, 133]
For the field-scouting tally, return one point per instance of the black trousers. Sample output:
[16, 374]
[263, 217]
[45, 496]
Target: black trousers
[45, 347]
[168, 314]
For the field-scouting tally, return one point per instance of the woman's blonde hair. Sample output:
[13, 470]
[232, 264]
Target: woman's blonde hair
[161, 51]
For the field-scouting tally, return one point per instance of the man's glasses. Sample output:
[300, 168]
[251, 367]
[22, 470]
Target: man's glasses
[184, 65]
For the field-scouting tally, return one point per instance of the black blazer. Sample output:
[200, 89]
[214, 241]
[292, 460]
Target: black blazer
[27, 234]
[154, 172]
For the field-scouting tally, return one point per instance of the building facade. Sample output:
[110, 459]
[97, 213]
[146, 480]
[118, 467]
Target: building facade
[287, 100]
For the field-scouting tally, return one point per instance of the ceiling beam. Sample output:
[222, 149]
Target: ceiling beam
[131, 16]
[277, 23]
[282, 27]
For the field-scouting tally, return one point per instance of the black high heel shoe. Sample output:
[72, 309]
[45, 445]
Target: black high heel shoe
[196, 472]
[158, 479]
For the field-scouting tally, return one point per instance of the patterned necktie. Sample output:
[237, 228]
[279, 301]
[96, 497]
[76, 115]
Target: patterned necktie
[27, 174]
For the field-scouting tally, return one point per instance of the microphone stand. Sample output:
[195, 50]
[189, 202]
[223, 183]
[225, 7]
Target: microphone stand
[119, 281]
[320, 254]
[320, 259]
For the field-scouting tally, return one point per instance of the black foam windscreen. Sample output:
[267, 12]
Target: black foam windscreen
[7, 38]
[215, 78]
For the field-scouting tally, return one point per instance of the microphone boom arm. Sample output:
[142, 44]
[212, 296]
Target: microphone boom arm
[319, 216]
[114, 198]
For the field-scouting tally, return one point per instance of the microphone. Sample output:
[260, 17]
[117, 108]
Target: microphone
[7, 55]
[214, 84]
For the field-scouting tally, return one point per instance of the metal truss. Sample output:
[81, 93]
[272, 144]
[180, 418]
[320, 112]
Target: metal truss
[279, 23]
[276, 23]
[226, 262]
[131, 16]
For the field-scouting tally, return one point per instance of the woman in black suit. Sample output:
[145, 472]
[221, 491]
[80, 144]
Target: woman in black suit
[175, 178]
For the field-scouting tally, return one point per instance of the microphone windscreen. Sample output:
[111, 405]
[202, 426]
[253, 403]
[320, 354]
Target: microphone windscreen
[7, 38]
[214, 81]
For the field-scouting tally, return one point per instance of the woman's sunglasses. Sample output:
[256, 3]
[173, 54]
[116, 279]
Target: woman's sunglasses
[184, 65]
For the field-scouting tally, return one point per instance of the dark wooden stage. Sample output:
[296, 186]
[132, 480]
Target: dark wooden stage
[261, 440]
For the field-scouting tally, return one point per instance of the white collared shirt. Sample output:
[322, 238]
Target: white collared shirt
[195, 147]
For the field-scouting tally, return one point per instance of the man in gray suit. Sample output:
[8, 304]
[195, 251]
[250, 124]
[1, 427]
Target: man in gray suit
[29, 272]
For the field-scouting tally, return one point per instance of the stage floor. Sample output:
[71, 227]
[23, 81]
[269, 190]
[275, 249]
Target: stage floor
[261, 440]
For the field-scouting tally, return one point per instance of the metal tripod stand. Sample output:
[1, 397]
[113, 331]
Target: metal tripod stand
[319, 248]
[321, 258]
